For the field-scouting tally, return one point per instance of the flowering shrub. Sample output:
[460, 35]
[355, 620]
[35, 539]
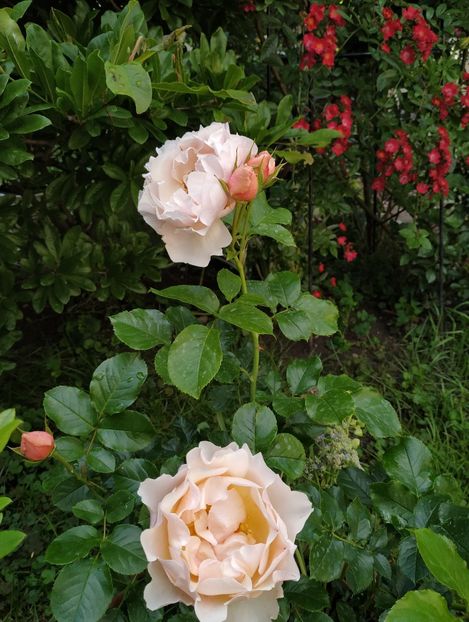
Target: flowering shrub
[220, 535]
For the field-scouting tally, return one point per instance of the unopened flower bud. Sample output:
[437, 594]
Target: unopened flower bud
[36, 446]
[243, 184]
[265, 163]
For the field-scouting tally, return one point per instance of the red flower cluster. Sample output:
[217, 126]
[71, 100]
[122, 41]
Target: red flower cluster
[337, 117]
[421, 36]
[324, 46]
[349, 253]
[448, 99]
[396, 157]
[440, 163]
[449, 92]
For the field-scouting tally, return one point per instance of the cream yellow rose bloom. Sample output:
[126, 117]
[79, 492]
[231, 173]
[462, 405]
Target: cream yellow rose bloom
[221, 535]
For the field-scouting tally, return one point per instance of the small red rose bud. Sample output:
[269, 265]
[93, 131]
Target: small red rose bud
[243, 184]
[36, 446]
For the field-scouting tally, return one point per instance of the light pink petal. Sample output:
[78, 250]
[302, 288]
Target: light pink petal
[211, 609]
[155, 542]
[208, 195]
[293, 507]
[226, 515]
[186, 246]
[264, 608]
[160, 591]
[152, 491]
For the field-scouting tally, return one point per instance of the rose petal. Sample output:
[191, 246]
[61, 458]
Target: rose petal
[261, 609]
[186, 246]
[225, 515]
[294, 507]
[211, 609]
[160, 591]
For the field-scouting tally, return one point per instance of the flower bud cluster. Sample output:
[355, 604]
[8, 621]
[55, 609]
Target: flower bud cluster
[334, 450]
[320, 40]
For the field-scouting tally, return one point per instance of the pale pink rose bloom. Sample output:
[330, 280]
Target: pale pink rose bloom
[265, 162]
[243, 184]
[37, 445]
[182, 197]
[221, 535]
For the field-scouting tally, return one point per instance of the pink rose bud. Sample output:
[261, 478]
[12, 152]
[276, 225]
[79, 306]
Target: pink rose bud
[243, 184]
[36, 446]
[265, 162]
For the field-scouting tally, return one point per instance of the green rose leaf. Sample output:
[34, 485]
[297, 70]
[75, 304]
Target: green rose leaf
[119, 505]
[196, 295]
[285, 287]
[194, 358]
[394, 502]
[73, 544]
[307, 594]
[116, 383]
[82, 592]
[322, 314]
[295, 325]
[122, 550]
[443, 560]
[359, 520]
[89, 510]
[331, 408]
[132, 472]
[132, 80]
[69, 447]
[71, 410]
[326, 559]
[247, 317]
[376, 413]
[421, 606]
[9, 541]
[287, 454]
[359, 572]
[254, 425]
[409, 463]
[161, 364]
[101, 460]
[8, 424]
[229, 283]
[127, 431]
[303, 374]
[141, 329]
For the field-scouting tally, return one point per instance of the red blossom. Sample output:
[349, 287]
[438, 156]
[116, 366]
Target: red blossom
[422, 188]
[341, 240]
[407, 55]
[349, 253]
[316, 293]
[301, 124]
[385, 48]
[321, 268]
[411, 13]
[391, 145]
[387, 13]
[342, 226]
[434, 156]
[333, 281]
